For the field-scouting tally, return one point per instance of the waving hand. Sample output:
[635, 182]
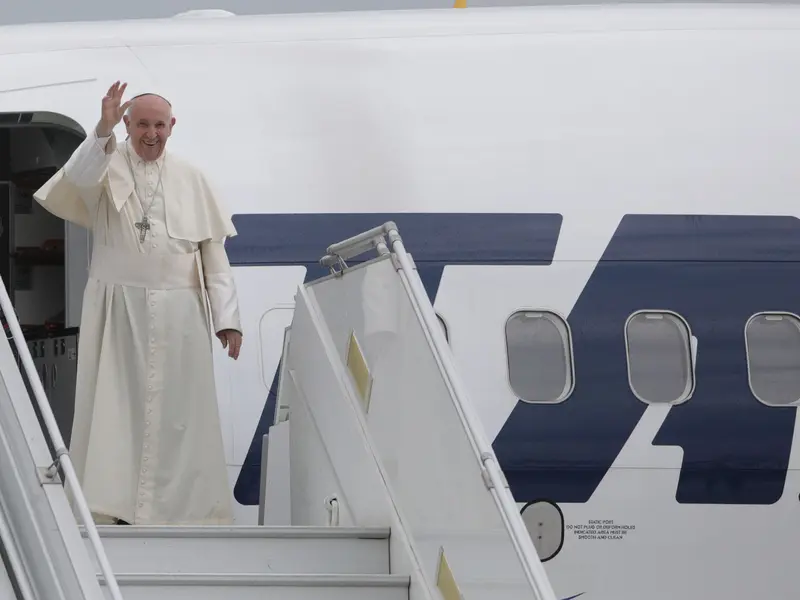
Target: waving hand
[112, 109]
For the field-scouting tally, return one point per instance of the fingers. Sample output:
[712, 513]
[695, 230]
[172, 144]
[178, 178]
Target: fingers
[116, 91]
[126, 106]
[235, 347]
[232, 340]
[112, 91]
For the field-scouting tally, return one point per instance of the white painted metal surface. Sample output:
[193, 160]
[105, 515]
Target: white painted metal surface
[264, 587]
[588, 113]
[13, 564]
[236, 550]
[6, 588]
[493, 476]
[331, 452]
[267, 563]
[63, 460]
[39, 530]
[445, 484]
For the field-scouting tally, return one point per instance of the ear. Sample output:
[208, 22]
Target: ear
[127, 120]
[172, 122]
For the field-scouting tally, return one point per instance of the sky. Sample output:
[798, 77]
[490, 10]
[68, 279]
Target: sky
[39, 11]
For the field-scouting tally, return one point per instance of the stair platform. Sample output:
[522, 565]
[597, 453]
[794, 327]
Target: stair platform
[236, 550]
[262, 587]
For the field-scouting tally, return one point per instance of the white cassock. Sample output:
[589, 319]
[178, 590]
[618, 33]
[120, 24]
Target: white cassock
[146, 439]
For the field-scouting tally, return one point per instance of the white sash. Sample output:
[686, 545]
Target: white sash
[151, 271]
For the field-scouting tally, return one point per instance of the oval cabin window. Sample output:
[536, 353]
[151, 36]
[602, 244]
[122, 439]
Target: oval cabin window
[659, 349]
[772, 341]
[539, 349]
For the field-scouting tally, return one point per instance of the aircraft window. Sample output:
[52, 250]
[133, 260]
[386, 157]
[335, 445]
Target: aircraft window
[659, 350]
[539, 348]
[444, 327]
[772, 342]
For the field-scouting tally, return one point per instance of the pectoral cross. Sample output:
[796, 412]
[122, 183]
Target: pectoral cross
[143, 226]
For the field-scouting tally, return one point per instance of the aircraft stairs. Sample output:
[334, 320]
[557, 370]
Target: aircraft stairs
[244, 563]
[377, 483]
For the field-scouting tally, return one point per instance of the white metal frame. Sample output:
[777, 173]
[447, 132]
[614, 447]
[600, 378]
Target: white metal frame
[15, 562]
[688, 391]
[62, 454]
[767, 313]
[569, 356]
[337, 255]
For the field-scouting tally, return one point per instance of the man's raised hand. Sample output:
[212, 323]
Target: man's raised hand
[112, 109]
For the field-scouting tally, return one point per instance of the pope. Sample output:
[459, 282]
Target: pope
[146, 438]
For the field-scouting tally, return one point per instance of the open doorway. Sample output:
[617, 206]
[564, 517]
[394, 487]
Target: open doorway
[43, 260]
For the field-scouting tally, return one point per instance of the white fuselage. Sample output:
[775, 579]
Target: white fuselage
[587, 161]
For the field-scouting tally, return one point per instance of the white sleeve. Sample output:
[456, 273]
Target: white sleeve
[89, 163]
[220, 287]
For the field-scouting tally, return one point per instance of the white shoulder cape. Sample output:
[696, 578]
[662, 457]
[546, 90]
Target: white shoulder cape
[193, 211]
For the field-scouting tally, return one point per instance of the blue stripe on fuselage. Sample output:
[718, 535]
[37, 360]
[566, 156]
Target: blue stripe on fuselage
[434, 239]
[715, 271]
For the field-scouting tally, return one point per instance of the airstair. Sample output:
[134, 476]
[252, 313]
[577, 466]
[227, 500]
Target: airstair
[249, 563]
[378, 481]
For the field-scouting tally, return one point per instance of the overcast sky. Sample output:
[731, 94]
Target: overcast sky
[32, 11]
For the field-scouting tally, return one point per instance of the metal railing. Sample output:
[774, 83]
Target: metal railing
[336, 256]
[62, 458]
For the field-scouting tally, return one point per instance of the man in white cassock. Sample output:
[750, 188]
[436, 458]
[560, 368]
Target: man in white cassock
[146, 439]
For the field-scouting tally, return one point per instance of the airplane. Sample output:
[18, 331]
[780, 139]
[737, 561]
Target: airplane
[601, 202]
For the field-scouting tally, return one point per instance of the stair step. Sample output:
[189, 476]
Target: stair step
[231, 550]
[261, 587]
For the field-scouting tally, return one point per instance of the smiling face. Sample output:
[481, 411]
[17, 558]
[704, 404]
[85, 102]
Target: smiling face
[149, 123]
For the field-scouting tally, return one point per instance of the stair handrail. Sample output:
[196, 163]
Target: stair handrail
[336, 256]
[63, 458]
[499, 489]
